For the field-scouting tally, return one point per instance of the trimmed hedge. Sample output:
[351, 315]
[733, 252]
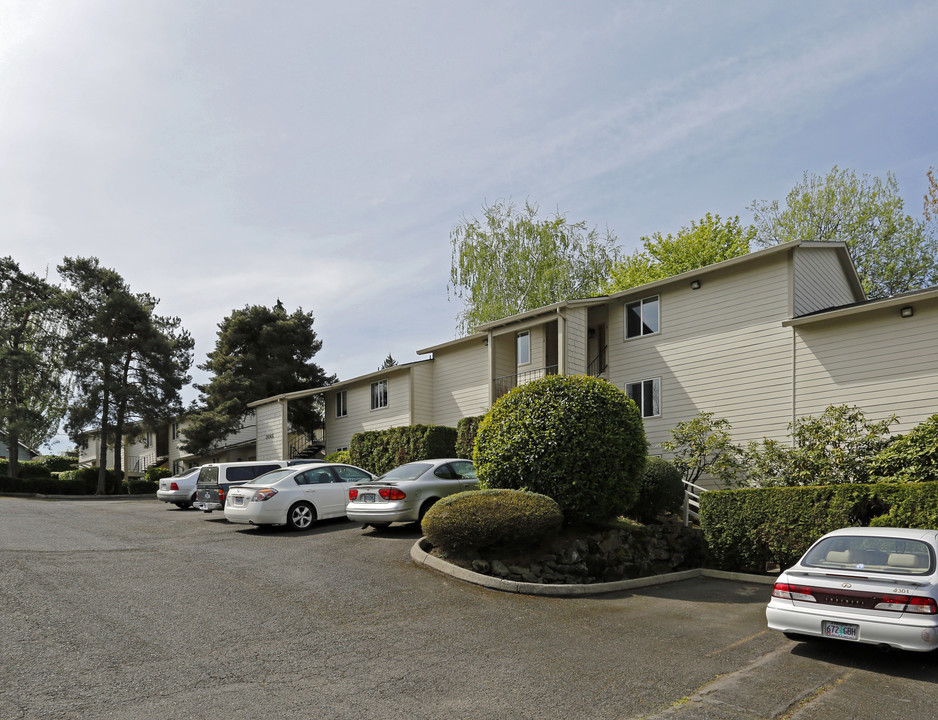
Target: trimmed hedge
[479, 519]
[466, 430]
[88, 476]
[83, 481]
[340, 456]
[746, 529]
[26, 469]
[58, 463]
[577, 439]
[661, 490]
[41, 485]
[382, 450]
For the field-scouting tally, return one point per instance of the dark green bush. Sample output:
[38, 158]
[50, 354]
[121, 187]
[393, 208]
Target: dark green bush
[382, 450]
[491, 518]
[576, 439]
[141, 486]
[340, 456]
[42, 485]
[58, 463]
[912, 457]
[154, 474]
[88, 478]
[466, 430]
[745, 529]
[26, 469]
[661, 490]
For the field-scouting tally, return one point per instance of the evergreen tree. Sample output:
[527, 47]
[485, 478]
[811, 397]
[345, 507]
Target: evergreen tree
[34, 382]
[260, 352]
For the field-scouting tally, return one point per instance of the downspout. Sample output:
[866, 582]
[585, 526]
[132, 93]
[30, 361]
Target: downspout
[490, 344]
[561, 343]
[284, 430]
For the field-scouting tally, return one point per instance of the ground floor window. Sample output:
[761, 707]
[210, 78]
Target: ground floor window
[647, 395]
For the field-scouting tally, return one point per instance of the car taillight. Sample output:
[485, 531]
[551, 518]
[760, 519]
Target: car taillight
[907, 603]
[352, 494]
[221, 494]
[173, 486]
[391, 494]
[265, 494]
[793, 592]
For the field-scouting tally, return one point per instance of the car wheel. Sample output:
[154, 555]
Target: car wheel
[301, 516]
[423, 509]
[380, 526]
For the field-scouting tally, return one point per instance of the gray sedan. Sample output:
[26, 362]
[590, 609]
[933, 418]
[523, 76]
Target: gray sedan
[405, 493]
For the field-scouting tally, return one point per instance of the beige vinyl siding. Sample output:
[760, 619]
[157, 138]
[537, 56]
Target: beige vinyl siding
[270, 429]
[361, 417]
[877, 361]
[819, 280]
[721, 349]
[537, 349]
[461, 382]
[575, 332]
[422, 379]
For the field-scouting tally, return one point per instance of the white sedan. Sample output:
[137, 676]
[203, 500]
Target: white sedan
[179, 489]
[868, 585]
[294, 496]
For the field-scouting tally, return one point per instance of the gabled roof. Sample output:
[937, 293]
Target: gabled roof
[297, 394]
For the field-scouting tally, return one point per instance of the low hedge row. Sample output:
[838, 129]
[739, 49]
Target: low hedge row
[26, 469]
[746, 529]
[382, 450]
[83, 481]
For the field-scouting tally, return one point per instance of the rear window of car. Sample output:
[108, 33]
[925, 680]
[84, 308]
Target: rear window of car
[208, 474]
[887, 555]
[241, 473]
[411, 471]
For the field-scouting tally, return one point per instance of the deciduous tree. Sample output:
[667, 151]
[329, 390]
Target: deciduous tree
[510, 261]
[892, 251]
[709, 241]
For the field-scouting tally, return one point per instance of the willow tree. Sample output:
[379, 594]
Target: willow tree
[509, 261]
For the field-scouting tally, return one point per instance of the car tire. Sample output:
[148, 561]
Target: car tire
[380, 525]
[423, 509]
[183, 505]
[301, 516]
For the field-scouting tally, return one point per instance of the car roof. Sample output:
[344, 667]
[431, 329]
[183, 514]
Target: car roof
[910, 533]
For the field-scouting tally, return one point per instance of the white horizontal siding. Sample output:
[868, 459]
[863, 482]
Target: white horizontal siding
[819, 280]
[721, 349]
[461, 382]
[361, 417]
[877, 361]
[575, 340]
[423, 393]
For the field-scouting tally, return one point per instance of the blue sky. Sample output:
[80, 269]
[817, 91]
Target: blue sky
[219, 154]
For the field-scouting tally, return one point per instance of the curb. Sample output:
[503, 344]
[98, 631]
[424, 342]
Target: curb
[40, 496]
[420, 555]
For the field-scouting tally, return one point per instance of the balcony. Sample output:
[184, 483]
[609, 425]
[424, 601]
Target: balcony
[506, 382]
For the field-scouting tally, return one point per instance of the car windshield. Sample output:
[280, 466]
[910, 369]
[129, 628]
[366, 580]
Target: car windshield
[411, 471]
[888, 555]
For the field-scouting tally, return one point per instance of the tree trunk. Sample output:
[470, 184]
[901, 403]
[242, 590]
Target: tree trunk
[102, 452]
[119, 421]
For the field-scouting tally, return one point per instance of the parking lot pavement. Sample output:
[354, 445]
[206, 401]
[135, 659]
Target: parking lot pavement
[140, 610]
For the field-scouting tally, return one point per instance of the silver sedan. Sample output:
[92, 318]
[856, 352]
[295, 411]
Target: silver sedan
[862, 584]
[405, 493]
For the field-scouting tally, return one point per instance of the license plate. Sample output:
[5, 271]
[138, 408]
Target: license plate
[839, 630]
[239, 501]
[367, 497]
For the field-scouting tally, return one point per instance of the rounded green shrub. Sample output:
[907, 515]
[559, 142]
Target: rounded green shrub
[340, 456]
[491, 518]
[912, 457]
[57, 463]
[577, 439]
[155, 474]
[661, 490]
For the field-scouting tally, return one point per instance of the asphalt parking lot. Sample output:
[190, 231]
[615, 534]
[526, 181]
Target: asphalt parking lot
[135, 609]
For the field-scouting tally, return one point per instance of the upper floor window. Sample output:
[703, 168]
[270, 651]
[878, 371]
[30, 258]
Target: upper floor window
[379, 394]
[641, 317]
[174, 430]
[341, 403]
[524, 347]
[647, 395]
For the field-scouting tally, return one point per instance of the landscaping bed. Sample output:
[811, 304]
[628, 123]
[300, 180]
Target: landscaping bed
[578, 555]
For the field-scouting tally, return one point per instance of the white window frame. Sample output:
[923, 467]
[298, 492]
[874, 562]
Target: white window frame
[527, 346]
[341, 403]
[375, 388]
[656, 393]
[641, 303]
